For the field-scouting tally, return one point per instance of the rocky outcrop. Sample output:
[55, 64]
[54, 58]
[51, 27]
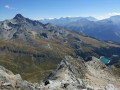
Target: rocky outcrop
[75, 74]
[9, 81]
[70, 74]
[99, 75]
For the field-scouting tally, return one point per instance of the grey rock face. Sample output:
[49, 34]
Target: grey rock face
[70, 74]
[75, 67]
[75, 74]
[9, 81]
[110, 87]
[67, 75]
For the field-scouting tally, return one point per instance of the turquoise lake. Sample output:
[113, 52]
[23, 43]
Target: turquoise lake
[104, 60]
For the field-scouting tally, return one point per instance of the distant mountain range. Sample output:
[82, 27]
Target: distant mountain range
[106, 30]
[66, 20]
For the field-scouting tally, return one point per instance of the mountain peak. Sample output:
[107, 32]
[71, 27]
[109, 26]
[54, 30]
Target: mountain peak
[18, 16]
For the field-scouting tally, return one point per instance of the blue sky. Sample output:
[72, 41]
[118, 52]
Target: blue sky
[37, 9]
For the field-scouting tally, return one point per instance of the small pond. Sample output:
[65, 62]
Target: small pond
[104, 60]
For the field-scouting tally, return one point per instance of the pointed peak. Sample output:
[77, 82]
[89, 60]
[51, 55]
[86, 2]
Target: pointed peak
[49, 24]
[18, 16]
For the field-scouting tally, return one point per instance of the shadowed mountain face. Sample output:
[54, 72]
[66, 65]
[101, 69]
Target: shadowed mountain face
[33, 49]
[106, 30]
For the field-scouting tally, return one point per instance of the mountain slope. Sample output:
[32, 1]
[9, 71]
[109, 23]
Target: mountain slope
[33, 49]
[70, 74]
[76, 74]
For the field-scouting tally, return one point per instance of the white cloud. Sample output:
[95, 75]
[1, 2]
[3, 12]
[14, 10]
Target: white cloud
[107, 16]
[8, 7]
[114, 13]
[102, 17]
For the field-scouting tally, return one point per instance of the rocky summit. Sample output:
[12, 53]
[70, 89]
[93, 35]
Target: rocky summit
[70, 74]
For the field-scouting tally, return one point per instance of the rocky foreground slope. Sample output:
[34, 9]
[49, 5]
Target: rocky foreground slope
[70, 74]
